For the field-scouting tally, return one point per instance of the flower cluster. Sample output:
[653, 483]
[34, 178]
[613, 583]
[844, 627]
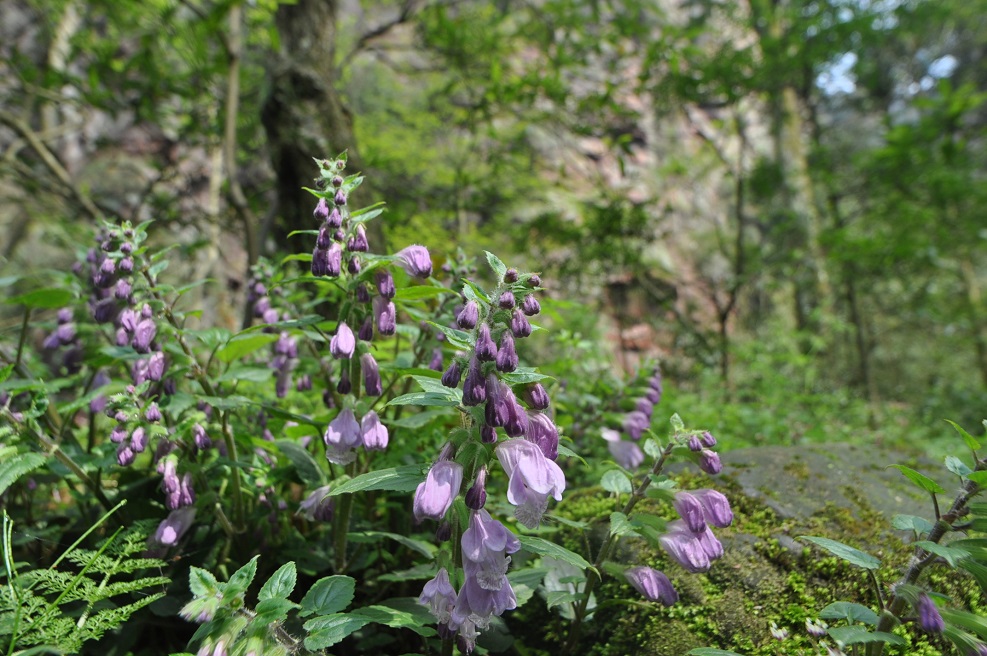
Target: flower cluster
[345, 434]
[633, 424]
[702, 445]
[64, 336]
[689, 541]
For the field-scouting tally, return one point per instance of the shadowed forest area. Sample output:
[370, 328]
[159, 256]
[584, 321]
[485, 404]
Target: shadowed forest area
[782, 202]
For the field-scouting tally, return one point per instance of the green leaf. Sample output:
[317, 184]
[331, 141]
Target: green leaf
[971, 441]
[5, 372]
[525, 582]
[911, 523]
[559, 597]
[523, 375]
[978, 477]
[328, 595]
[616, 481]
[242, 345]
[545, 548]
[652, 448]
[419, 292]
[400, 613]
[957, 466]
[851, 612]
[273, 609]
[620, 525]
[709, 651]
[853, 635]
[845, 552]
[426, 549]
[921, 480]
[42, 298]
[18, 465]
[399, 479]
[968, 621]
[308, 470]
[499, 268]
[330, 629]
[254, 373]
[951, 555]
[432, 399]
[202, 582]
[458, 339]
[281, 583]
[241, 580]
[566, 452]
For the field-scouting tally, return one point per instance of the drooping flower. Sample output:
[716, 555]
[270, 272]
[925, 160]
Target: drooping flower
[439, 596]
[685, 549]
[452, 375]
[532, 479]
[651, 583]
[627, 454]
[386, 314]
[435, 494]
[635, 423]
[486, 349]
[543, 432]
[507, 359]
[371, 375]
[374, 432]
[476, 496]
[530, 305]
[929, 619]
[536, 396]
[171, 530]
[415, 260]
[474, 387]
[716, 506]
[343, 342]
[342, 436]
[691, 511]
[385, 283]
[520, 325]
[709, 462]
[318, 506]
[468, 316]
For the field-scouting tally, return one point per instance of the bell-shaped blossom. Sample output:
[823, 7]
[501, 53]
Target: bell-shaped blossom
[374, 432]
[452, 375]
[435, 494]
[439, 596]
[343, 342]
[468, 316]
[371, 375]
[707, 440]
[385, 283]
[476, 496]
[532, 479]
[358, 242]
[474, 387]
[321, 211]
[143, 335]
[335, 219]
[342, 436]
[507, 359]
[386, 315]
[506, 300]
[200, 438]
[685, 549]
[709, 462]
[716, 506]
[318, 506]
[536, 397]
[627, 454]
[366, 332]
[415, 260]
[543, 432]
[651, 583]
[138, 440]
[171, 530]
[497, 411]
[691, 511]
[485, 545]
[486, 348]
[635, 423]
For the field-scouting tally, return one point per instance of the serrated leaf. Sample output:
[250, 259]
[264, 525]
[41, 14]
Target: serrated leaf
[616, 481]
[242, 345]
[281, 583]
[957, 466]
[499, 268]
[327, 631]
[854, 635]
[545, 548]
[398, 479]
[951, 555]
[400, 613]
[921, 480]
[620, 525]
[305, 465]
[652, 448]
[845, 552]
[426, 549]
[273, 609]
[241, 580]
[328, 595]
[911, 523]
[48, 298]
[971, 441]
[15, 466]
[201, 582]
[851, 612]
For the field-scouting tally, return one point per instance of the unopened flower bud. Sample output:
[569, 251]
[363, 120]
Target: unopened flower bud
[476, 496]
[694, 444]
[371, 375]
[519, 324]
[435, 364]
[534, 280]
[506, 300]
[536, 396]
[344, 386]
[486, 349]
[507, 360]
[444, 531]
[709, 462]
[708, 440]
[340, 198]
[152, 413]
[343, 343]
[353, 265]
[452, 375]
[530, 305]
[362, 295]
[334, 220]
[321, 211]
[468, 316]
[929, 619]
[415, 260]
[474, 390]
[488, 434]
[358, 244]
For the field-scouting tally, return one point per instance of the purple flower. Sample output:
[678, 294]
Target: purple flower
[321, 211]
[439, 596]
[627, 454]
[371, 375]
[318, 506]
[122, 290]
[156, 366]
[476, 496]
[635, 423]
[358, 243]
[386, 315]
[709, 462]
[507, 359]
[468, 316]
[171, 530]
[520, 325]
[366, 332]
[342, 436]
[929, 619]
[685, 549]
[708, 440]
[543, 432]
[716, 506]
[533, 478]
[474, 389]
[362, 295]
[435, 364]
[653, 395]
[485, 545]
[335, 219]
[199, 437]
[143, 334]
[340, 198]
[691, 511]
[415, 260]
[644, 406]
[497, 411]
[486, 349]
[651, 583]
[152, 413]
[536, 396]
[506, 300]
[125, 455]
[385, 283]
[694, 444]
[452, 375]
[138, 440]
[343, 342]
[374, 432]
[488, 434]
[530, 305]
[435, 494]
[343, 386]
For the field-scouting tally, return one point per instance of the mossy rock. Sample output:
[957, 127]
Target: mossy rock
[767, 574]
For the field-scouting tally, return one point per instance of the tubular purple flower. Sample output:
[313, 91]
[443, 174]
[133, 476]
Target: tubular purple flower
[323, 241]
[374, 432]
[476, 496]
[386, 315]
[488, 434]
[653, 395]
[199, 437]
[343, 385]
[517, 420]
[334, 260]
[708, 440]
[452, 375]
[709, 462]
[335, 219]
[415, 260]
[627, 454]
[716, 506]
[691, 511]
[644, 406]
[685, 549]
[320, 262]
[652, 584]
[435, 364]
[342, 436]
[530, 305]
[486, 349]
[143, 335]
[366, 332]
[507, 359]
[343, 342]
[362, 295]
[533, 478]
[506, 300]
[439, 596]
[123, 289]
[497, 411]
[186, 494]
[520, 325]
[340, 198]
[125, 455]
[371, 375]
[318, 506]
[474, 388]
[385, 283]
[468, 316]
[321, 211]
[435, 494]
[536, 396]
[635, 423]
[138, 440]
[694, 444]
[171, 530]
[929, 619]
[156, 366]
[543, 432]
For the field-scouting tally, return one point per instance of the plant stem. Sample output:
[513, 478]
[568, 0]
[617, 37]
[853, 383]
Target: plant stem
[23, 337]
[591, 581]
[341, 527]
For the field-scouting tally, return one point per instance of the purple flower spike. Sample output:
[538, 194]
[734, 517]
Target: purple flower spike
[486, 349]
[469, 315]
[543, 432]
[691, 511]
[709, 462]
[343, 342]
[530, 305]
[519, 324]
[533, 478]
[507, 359]
[435, 494]
[536, 396]
[439, 596]
[651, 583]
[685, 549]
[474, 388]
[318, 506]
[371, 375]
[452, 375]
[716, 507]
[171, 530]
[415, 260]
[929, 619]
[374, 432]
[341, 437]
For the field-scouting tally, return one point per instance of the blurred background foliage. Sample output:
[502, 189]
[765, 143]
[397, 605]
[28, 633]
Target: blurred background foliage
[784, 201]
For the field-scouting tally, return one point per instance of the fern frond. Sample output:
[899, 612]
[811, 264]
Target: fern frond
[110, 618]
[124, 587]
